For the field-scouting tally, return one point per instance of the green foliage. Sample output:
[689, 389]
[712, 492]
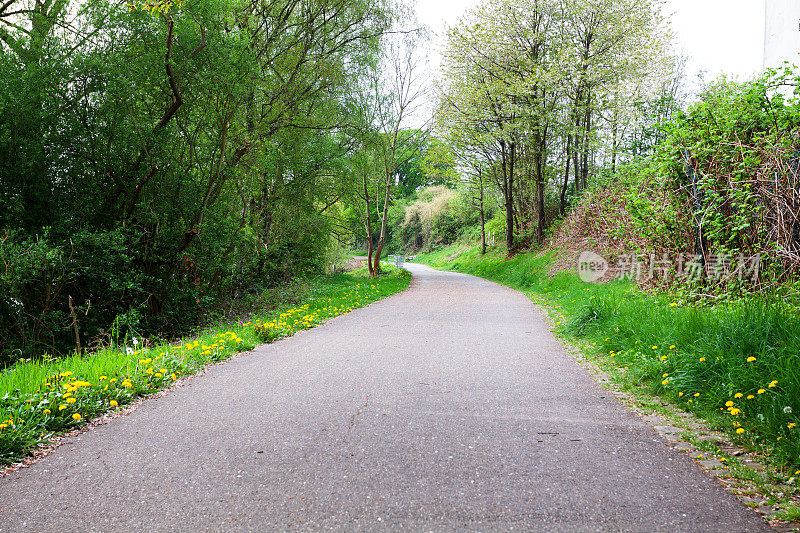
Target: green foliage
[95, 270]
[534, 91]
[428, 220]
[157, 158]
[634, 211]
[497, 224]
[740, 141]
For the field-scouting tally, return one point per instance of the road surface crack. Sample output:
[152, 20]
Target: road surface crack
[356, 414]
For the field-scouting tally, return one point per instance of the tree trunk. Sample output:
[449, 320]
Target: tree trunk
[483, 216]
[508, 178]
[540, 218]
[614, 144]
[368, 229]
[563, 197]
[384, 217]
[587, 125]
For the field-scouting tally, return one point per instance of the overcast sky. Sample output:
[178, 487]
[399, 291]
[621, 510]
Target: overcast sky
[719, 36]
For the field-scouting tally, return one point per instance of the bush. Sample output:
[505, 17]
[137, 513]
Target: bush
[93, 271]
[740, 143]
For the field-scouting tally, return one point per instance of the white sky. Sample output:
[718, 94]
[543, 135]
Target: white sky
[437, 15]
[719, 36]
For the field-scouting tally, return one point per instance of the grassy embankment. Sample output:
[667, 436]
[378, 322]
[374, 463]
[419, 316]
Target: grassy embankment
[41, 398]
[734, 364]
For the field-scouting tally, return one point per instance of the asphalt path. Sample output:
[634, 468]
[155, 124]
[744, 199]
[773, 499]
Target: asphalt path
[447, 407]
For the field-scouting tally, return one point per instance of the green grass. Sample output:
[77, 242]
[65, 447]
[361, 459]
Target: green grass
[701, 358]
[40, 398]
[791, 513]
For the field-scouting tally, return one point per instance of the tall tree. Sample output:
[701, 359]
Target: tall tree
[400, 93]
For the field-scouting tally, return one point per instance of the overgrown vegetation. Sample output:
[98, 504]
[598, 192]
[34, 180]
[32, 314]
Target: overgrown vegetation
[159, 159]
[40, 398]
[734, 156]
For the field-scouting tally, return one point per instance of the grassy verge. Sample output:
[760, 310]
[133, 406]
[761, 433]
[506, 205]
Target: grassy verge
[40, 398]
[735, 364]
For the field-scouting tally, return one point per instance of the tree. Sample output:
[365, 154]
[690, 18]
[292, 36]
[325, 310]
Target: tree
[399, 94]
[500, 76]
[524, 85]
[168, 155]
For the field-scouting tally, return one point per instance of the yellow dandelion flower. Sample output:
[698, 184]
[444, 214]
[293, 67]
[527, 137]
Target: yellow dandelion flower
[62, 407]
[113, 403]
[738, 395]
[680, 394]
[740, 431]
[750, 396]
[47, 411]
[791, 425]
[761, 391]
[773, 384]
[71, 400]
[76, 416]
[751, 359]
[696, 394]
[702, 359]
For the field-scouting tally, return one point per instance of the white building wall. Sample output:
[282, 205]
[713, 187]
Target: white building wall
[782, 33]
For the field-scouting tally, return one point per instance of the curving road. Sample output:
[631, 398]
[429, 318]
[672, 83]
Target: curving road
[447, 407]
